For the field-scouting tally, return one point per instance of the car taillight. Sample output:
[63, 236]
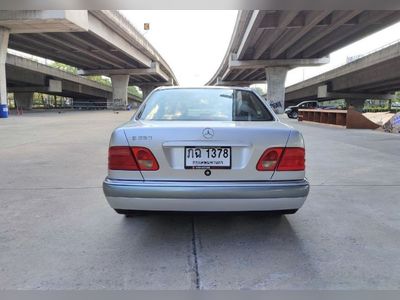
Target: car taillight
[269, 159]
[293, 159]
[282, 159]
[121, 158]
[145, 159]
[131, 159]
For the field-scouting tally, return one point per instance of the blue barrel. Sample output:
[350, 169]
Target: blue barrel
[3, 111]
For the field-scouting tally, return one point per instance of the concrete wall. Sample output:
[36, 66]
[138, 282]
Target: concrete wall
[4, 35]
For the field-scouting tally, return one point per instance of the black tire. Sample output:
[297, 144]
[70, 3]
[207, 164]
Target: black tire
[294, 114]
[131, 213]
[284, 212]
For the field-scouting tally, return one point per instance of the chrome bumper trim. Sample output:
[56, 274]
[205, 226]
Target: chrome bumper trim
[208, 190]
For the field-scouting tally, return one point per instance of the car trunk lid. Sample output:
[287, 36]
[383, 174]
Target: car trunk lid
[167, 140]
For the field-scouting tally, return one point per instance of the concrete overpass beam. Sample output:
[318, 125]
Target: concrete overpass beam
[358, 104]
[23, 100]
[120, 88]
[276, 77]
[4, 34]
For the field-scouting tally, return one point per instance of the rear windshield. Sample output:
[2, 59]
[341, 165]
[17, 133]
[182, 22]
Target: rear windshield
[204, 105]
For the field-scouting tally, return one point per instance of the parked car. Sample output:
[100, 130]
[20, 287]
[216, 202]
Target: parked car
[395, 105]
[205, 149]
[293, 111]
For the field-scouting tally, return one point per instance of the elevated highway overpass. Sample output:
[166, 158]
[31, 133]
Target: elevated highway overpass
[97, 42]
[265, 44]
[24, 77]
[374, 76]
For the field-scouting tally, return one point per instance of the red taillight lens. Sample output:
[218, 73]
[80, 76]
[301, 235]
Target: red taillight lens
[282, 159]
[293, 159]
[269, 160]
[145, 159]
[131, 159]
[121, 158]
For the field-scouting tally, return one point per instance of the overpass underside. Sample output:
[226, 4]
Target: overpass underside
[96, 42]
[25, 77]
[266, 44]
[375, 76]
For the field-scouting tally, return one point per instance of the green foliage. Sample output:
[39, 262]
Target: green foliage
[339, 103]
[376, 109]
[100, 79]
[134, 90]
[64, 67]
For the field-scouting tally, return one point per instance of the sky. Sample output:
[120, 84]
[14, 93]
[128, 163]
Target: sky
[194, 43]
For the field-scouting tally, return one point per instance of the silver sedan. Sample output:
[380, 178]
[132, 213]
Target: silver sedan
[205, 149]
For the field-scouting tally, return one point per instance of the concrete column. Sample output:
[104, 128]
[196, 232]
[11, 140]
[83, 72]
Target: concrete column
[146, 90]
[4, 34]
[23, 100]
[120, 88]
[276, 77]
[109, 102]
[358, 104]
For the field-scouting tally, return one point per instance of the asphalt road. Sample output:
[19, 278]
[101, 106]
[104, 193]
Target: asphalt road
[57, 231]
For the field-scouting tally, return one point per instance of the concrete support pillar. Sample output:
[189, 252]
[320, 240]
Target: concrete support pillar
[109, 102]
[23, 100]
[4, 34]
[357, 104]
[146, 90]
[120, 88]
[276, 77]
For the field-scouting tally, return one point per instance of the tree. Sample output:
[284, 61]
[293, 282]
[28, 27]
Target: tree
[100, 79]
[134, 90]
[64, 67]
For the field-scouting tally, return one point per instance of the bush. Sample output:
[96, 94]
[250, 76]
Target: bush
[376, 109]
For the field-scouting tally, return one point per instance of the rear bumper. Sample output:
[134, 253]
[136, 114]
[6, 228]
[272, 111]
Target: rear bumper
[205, 196]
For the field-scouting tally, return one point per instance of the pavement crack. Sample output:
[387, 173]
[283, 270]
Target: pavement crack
[195, 258]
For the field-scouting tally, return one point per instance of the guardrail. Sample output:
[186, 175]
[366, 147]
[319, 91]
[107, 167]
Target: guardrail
[374, 50]
[335, 66]
[328, 116]
[348, 118]
[83, 105]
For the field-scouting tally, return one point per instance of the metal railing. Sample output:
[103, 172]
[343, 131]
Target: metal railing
[376, 50]
[358, 57]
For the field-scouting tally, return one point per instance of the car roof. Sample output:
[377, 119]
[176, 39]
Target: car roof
[205, 87]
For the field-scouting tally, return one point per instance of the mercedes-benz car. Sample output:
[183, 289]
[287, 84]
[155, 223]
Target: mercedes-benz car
[205, 149]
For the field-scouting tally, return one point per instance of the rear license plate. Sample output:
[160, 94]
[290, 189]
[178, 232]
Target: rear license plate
[207, 157]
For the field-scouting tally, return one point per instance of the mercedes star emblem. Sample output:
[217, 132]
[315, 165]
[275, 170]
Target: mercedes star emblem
[208, 133]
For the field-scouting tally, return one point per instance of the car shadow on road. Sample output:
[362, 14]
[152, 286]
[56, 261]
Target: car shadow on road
[252, 250]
